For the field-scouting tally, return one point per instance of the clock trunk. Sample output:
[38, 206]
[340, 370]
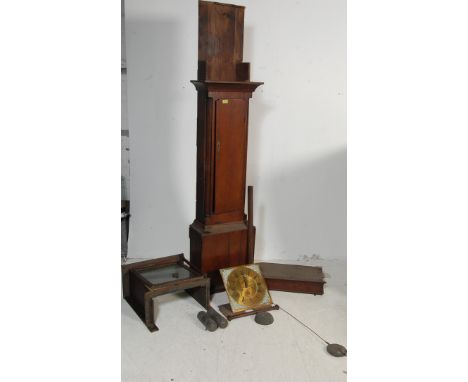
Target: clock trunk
[218, 235]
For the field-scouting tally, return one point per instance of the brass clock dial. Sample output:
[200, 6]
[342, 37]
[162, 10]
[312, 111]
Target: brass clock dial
[245, 287]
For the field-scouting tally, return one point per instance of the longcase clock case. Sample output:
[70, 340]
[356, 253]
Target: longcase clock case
[218, 236]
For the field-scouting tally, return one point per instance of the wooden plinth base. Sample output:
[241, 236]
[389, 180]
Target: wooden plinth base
[230, 315]
[215, 247]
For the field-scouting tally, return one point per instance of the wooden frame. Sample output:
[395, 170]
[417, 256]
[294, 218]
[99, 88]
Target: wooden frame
[230, 315]
[139, 292]
[293, 278]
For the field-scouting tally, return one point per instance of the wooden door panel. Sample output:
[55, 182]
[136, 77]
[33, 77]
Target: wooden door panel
[230, 155]
[216, 253]
[238, 248]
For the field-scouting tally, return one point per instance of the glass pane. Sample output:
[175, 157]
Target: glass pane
[172, 272]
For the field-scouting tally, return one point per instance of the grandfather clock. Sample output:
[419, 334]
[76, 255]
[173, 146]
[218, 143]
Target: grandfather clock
[218, 235]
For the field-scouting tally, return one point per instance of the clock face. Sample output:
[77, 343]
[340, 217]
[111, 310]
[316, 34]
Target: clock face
[245, 287]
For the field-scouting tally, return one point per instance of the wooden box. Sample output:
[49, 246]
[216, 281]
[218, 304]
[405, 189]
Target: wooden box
[293, 278]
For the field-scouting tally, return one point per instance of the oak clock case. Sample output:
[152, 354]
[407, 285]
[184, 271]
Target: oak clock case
[218, 235]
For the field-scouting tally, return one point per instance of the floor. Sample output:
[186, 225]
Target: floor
[285, 351]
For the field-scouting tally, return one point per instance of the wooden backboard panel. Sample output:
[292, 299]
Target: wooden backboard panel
[220, 41]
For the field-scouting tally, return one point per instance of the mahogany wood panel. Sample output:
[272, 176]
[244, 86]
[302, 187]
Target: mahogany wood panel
[139, 292]
[216, 252]
[220, 41]
[218, 247]
[295, 286]
[293, 278]
[220, 190]
[218, 235]
[230, 315]
[230, 155]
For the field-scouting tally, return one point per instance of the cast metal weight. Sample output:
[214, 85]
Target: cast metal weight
[220, 320]
[208, 322]
[336, 350]
[264, 318]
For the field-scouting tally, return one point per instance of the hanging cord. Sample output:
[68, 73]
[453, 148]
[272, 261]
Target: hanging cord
[328, 343]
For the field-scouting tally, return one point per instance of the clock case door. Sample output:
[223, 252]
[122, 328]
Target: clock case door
[230, 155]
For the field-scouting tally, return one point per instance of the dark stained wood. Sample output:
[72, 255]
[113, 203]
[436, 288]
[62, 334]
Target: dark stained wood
[139, 292]
[220, 40]
[230, 315]
[222, 150]
[224, 89]
[126, 268]
[218, 235]
[216, 247]
[230, 155]
[293, 278]
[243, 71]
[295, 286]
[139, 302]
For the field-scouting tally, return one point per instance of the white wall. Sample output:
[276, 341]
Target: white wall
[297, 128]
[124, 133]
